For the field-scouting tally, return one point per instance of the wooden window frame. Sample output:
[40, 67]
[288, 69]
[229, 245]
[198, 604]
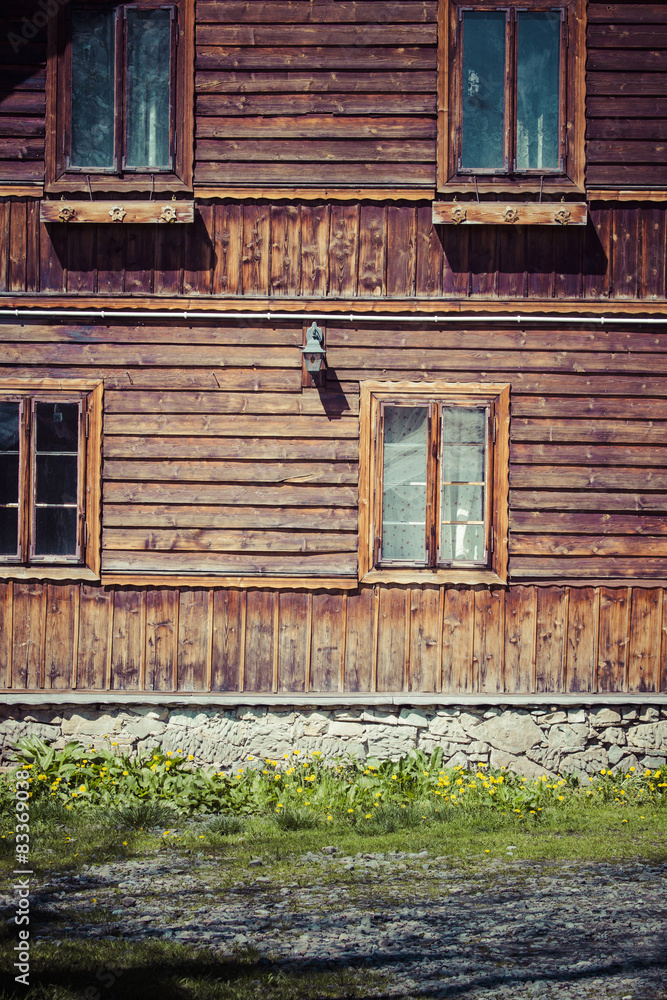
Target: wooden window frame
[88, 394]
[59, 177]
[573, 105]
[376, 394]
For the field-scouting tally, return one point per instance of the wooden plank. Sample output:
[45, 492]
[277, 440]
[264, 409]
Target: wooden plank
[94, 614]
[626, 13]
[261, 563]
[301, 152]
[128, 640]
[107, 211]
[17, 235]
[127, 355]
[596, 501]
[488, 647]
[425, 639]
[359, 640]
[259, 639]
[581, 633]
[644, 640]
[311, 81]
[237, 472]
[637, 107]
[372, 250]
[292, 640]
[227, 494]
[401, 236]
[317, 12]
[330, 403]
[613, 640]
[588, 454]
[587, 545]
[6, 633]
[202, 540]
[312, 263]
[265, 449]
[595, 431]
[285, 233]
[198, 256]
[653, 231]
[343, 250]
[193, 639]
[255, 255]
[184, 518]
[227, 640]
[311, 35]
[589, 568]
[430, 257]
[663, 647]
[590, 407]
[549, 653]
[228, 250]
[326, 642]
[161, 639]
[290, 104]
[587, 523]
[456, 213]
[520, 607]
[28, 635]
[596, 477]
[318, 57]
[169, 250]
[111, 247]
[252, 379]
[457, 641]
[597, 254]
[391, 649]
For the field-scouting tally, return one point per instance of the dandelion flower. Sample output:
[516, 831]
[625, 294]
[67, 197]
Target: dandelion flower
[350, 810]
[191, 756]
[368, 815]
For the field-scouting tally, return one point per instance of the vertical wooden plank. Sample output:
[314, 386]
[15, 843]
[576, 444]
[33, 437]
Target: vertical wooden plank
[226, 651]
[226, 278]
[512, 261]
[643, 655]
[52, 257]
[5, 215]
[94, 612]
[256, 240]
[580, 654]
[160, 645]
[663, 646]
[32, 246]
[140, 259]
[326, 641]
[488, 641]
[193, 637]
[292, 629]
[612, 639]
[314, 243]
[391, 651]
[401, 235]
[539, 251]
[653, 252]
[519, 633]
[626, 259]
[169, 251]
[454, 259]
[568, 262]
[127, 642]
[18, 239]
[274, 644]
[285, 250]
[343, 251]
[110, 261]
[81, 270]
[457, 640]
[483, 261]
[28, 635]
[6, 630]
[198, 258]
[549, 654]
[372, 250]
[424, 639]
[430, 257]
[359, 640]
[597, 254]
[59, 638]
[259, 641]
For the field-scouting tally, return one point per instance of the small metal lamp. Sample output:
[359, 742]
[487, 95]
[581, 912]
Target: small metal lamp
[313, 352]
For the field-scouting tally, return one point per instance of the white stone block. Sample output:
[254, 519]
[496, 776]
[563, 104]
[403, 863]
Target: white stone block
[576, 715]
[565, 737]
[82, 724]
[413, 717]
[354, 729]
[515, 732]
[604, 716]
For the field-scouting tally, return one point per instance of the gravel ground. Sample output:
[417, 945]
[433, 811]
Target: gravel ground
[500, 930]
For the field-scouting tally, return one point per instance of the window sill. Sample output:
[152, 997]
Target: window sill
[127, 212]
[422, 577]
[550, 186]
[517, 213]
[115, 186]
[59, 573]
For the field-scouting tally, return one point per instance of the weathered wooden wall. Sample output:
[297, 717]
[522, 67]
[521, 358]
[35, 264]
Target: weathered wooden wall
[297, 93]
[419, 639]
[338, 251]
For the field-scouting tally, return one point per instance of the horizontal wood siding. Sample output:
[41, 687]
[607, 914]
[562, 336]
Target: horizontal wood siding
[626, 83]
[331, 251]
[22, 91]
[427, 639]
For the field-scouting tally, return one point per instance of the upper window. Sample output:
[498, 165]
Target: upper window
[434, 481]
[49, 478]
[122, 104]
[514, 91]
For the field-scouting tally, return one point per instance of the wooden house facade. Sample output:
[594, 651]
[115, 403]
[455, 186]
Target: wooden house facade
[185, 508]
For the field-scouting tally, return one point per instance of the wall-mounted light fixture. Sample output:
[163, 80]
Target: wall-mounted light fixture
[314, 355]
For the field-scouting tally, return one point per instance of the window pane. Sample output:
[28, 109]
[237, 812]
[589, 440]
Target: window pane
[463, 463]
[93, 47]
[9, 531]
[57, 426]
[404, 483]
[148, 92]
[483, 83]
[55, 531]
[56, 479]
[538, 87]
[9, 453]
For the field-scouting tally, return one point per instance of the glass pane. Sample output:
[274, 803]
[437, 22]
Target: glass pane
[461, 424]
[463, 463]
[148, 94]
[9, 531]
[56, 479]
[55, 531]
[9, 478]
[9, 426]
[462, 542]
[483, 97]
[57, 426]
[404, 483]
[462, 503]
[538, 87]
[9, 453]
[93, 49]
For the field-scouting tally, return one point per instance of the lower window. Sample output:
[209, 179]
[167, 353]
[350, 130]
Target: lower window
[433, 481]
[49, 478]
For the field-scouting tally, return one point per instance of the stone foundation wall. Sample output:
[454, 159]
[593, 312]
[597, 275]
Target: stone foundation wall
[530, 741]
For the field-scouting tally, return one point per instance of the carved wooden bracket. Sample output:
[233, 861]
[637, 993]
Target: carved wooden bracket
[518, 213]
[126, 212]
